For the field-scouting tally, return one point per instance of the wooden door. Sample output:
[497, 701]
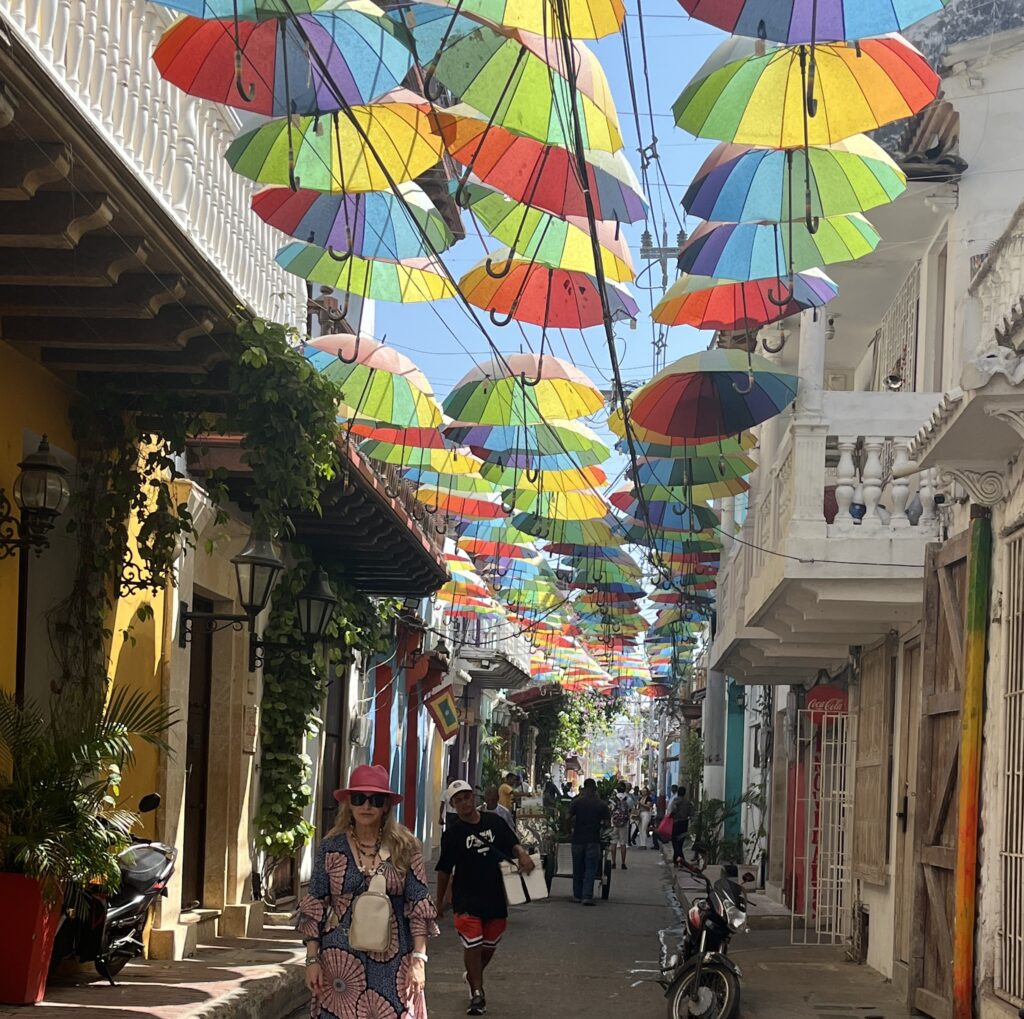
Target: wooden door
[937, 776]
[906, 797]
[197, 741]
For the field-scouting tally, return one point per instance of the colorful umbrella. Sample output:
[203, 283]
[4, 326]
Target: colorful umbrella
[551, 438]
[539, 236]
[465, 507]
[716, 392]
[740, 184]
[418, 279]
[251, 10]
[464, 484]
[703, 492]
[523, 389]
[587, 19]
[602, 532]
[749, 251]
[433, 26]
[306, 65]
[440, 461]
[765, 99]
[573, 480]
[557, 506]
[375, 224]
[545, 176]
[796, 21]
[392, 140]
[688, 471]
[707, 303]
[654, 443]
[556, 298]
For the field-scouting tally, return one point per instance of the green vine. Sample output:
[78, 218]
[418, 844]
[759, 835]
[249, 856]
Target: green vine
[570, 723]
[294, 688]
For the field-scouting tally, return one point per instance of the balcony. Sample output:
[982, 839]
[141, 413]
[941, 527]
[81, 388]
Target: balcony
[495, 654]
[828, 556]
[126, 241]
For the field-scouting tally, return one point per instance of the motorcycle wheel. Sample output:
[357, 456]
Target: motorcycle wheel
[719, 995]
[109, 969]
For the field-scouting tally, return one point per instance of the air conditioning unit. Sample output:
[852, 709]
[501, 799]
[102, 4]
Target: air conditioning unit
[359, 731]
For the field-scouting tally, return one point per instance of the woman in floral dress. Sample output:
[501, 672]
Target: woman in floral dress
[347, 983]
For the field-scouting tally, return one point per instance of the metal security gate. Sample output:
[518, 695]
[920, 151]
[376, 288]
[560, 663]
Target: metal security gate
[1010, 971]
[820, 875]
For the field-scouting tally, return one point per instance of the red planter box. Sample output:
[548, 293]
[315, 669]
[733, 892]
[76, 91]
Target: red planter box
[26, 940]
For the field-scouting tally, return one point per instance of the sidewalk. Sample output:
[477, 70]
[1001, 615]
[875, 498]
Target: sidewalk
[239, 977]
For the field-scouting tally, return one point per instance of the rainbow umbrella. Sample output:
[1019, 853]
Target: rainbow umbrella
[586, 19]
[573, 480]
[519, 83]
[552, 298]
[797, 21]
[726, 445]
[310, 64]
[692, 493]
[549, 438]
[465, 507]
[391, 140]
[707, 303]
[375, 224]
[685, 472]
[638, 531]
[604, 532]
[740, 184]
[767, 98]
[749, 251]
[557, 506]
[251, 10]
[419, 279]
[441, 461]
[669, 515]
[542, 175]
[464, 484]
[715, 392]
[539, 236]
[523, 389]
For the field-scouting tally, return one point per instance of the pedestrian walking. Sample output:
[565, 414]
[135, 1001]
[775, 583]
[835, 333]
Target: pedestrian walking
[621, 809]
[473, 847]
[646, 807]
[588, 815]
[681, 811]
[493, 806]
[367, 853]
[507, 793]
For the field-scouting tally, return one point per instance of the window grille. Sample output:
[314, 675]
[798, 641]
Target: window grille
[896, 346]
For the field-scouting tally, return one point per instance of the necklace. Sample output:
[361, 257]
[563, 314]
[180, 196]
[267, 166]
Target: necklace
[366, 856]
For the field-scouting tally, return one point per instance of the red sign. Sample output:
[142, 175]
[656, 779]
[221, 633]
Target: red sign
[826, 700]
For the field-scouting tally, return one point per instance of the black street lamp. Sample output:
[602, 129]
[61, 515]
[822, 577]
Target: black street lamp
[257, 570]
[41, 493]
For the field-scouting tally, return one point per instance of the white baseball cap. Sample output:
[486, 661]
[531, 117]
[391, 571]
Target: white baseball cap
[458, 786]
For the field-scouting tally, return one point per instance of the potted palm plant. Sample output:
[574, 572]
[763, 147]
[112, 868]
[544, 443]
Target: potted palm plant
[60, 825]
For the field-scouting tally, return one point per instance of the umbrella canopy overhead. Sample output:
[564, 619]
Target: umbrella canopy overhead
[251, 10]
[797, 21]
[761, 99]
[555, 298]
[310, 64]
[376, 224]
[741, 184]
[708, 303]
[551, 438]
[391, 139]
[685, 472]
[713, 393]
[545, 176]
[587, 19]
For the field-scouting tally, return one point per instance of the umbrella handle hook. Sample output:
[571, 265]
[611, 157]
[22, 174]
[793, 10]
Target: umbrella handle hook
[460, 197]
[786, 295]
[338, 256]
[533, 475]
[503, 320]
[247, 92]
[770, 348]
[497, 274]
[680, 509]
[812, 70]
[533, 383]
[428, 86]
[355, 353]
[442, 528]
[749, 387]
[430, 511]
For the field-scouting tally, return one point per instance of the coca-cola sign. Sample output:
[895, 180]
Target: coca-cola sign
[826, 700]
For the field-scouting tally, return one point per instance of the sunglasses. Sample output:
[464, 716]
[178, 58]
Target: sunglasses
[374, 799]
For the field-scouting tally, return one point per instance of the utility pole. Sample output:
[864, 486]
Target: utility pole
[663, 253]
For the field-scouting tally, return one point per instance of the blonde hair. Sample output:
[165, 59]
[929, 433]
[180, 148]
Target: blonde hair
[395, 838]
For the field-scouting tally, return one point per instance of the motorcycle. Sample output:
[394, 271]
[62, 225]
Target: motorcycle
[701, 981]
[106, 929]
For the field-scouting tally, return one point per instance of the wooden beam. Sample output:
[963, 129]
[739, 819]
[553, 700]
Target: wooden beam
[97, 262]
[199, 357]
[135, 296]
[54, 219]
[171, 329]
[28, 165]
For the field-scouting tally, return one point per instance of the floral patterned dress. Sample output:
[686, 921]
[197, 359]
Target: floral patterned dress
[365, 985]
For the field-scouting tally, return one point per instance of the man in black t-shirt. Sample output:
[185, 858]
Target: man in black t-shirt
[472, 848]
[588, 814]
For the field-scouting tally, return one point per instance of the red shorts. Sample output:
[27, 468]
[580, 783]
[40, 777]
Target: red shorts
[477, 933]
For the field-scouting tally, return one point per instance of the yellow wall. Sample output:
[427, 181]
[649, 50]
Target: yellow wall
[31, 398]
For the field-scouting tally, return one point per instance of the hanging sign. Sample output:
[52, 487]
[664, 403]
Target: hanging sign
[444, 711]
[826, 700]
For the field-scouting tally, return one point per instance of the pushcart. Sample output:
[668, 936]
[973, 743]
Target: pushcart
[546, 831]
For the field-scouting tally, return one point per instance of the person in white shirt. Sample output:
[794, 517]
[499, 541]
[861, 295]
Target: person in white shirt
[621, 806]
[492, 804]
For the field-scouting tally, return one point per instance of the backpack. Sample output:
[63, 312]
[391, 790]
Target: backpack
[620, 813]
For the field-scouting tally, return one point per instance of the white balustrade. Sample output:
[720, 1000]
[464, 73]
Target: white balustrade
[100, 53]
[998, 287]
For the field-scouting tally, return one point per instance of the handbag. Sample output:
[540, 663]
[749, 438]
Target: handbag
[520, 887]
[665, 828]
[370, 930]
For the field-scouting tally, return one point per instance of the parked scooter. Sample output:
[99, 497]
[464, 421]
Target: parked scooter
[701, 981]
[107, 930]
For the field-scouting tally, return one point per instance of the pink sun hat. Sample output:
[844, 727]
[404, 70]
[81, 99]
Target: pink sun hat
[369, 778]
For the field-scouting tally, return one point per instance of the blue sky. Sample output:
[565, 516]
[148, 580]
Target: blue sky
[676, 47]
